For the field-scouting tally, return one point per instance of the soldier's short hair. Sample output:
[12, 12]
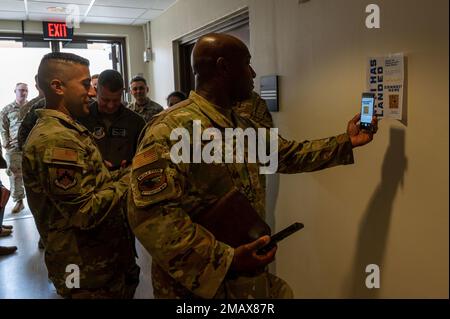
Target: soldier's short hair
[178, 94]
[110, 79]
[58, 57]
[20, 83]
[67, 57]
[138, 78]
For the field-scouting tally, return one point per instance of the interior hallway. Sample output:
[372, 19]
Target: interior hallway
[23, 275]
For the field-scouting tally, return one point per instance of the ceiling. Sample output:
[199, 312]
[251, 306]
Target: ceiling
[124, 12]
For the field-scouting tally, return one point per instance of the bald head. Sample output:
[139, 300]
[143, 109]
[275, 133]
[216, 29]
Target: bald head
[221, 63]
[212, 47]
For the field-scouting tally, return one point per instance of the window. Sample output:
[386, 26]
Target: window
[19, 63]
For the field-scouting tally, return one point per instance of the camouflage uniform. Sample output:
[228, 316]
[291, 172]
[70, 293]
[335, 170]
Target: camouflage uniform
[187, 260]
[2, 208]
[11, 117]
[148, 110]
[78, 208]
[255, 109]
[29, 120]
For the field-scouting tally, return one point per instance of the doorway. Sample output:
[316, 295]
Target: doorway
[19, 63]
[21, 55]
[236, 24]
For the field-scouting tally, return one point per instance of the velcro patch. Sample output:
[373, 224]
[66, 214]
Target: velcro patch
[64, 154]
[118, 132]
[99, 132]
[152, 178]
[152, 182]
[145, 158]
[65, 178]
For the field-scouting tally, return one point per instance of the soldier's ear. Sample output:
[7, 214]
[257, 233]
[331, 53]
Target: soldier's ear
[56, 86]
[222, 66]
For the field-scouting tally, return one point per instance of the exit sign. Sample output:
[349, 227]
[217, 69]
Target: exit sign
[57, 31]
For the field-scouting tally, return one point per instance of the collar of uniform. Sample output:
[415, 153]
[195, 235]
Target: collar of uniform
[143, 106]
[93, 109]
[216, 113]
[41, 113]
[14, 104]
[34, 100]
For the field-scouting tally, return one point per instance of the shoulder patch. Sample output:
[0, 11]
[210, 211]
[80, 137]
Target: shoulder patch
[64, 154]
[152, 178]
[152, 182]
[65, 178]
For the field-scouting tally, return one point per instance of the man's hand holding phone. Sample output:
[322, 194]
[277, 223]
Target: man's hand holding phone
[364, 125]
[247, 260]
[359, 136]
[255, 256]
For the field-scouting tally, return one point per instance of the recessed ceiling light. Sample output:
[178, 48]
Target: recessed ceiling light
[56, 10]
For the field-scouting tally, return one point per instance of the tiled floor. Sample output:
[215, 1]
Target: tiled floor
[23, 275]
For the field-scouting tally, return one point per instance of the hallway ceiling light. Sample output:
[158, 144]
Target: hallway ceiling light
[56, 9]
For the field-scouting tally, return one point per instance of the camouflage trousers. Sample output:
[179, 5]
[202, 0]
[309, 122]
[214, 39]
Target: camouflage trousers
[14, 171]
[262, 286]
[123, 286]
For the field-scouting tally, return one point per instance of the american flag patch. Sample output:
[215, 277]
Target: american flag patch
[64, 154]
[145, 158]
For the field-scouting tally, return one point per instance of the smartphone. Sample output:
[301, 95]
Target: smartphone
[367, 111]
[280, 236]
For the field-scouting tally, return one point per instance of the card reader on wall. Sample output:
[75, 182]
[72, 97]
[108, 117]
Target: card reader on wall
[269, 91]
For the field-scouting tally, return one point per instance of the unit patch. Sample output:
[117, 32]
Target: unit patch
[99, 132]
[65, 178]
[152, 182]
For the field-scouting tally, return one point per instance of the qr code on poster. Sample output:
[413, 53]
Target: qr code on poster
[393, 101]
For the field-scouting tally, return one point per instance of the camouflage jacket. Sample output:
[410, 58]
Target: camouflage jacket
[11, 117]
[255, 109]
[187, 260]
[29, 120]
[77, 205]
[148, 110]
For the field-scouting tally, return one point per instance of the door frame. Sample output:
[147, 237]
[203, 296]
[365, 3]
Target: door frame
[226, 23]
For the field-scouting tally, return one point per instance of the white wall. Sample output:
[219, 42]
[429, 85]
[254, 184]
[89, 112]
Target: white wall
[391, 207]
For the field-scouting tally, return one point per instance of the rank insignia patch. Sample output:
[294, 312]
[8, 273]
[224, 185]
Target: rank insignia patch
[65, 178]
[152, 182]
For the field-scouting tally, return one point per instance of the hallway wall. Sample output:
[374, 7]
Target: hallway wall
[391, 207]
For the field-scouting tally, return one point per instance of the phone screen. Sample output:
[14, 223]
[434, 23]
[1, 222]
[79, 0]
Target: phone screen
[367, 105]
